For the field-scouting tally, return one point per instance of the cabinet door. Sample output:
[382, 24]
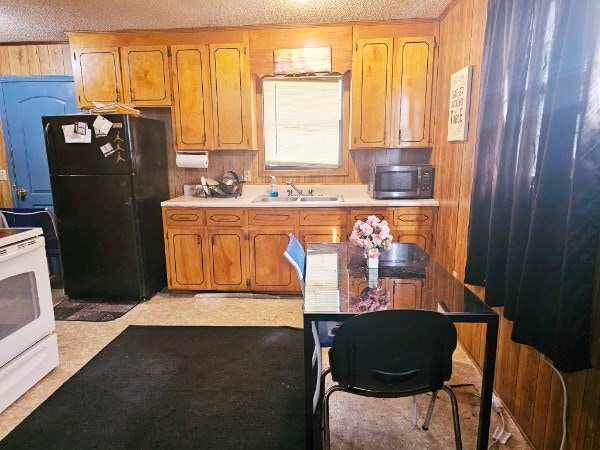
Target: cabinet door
[371, 92]
[271, 272]
[406, 293]
[422, 237]
[186, 259]
[356, 285]
[413, 82]
[192, 112]
[321, 234]
[97, 76]
[146, 76]
[230, 79]
[228, 264]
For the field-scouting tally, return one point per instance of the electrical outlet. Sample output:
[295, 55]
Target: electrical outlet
[247, 175]
[3, 175]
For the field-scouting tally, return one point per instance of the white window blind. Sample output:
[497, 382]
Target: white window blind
[302, 122]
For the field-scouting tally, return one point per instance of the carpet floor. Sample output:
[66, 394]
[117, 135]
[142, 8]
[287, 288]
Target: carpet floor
[178, 387]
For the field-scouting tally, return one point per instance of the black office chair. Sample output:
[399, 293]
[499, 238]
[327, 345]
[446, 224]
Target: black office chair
[393, 353]
[35, 217]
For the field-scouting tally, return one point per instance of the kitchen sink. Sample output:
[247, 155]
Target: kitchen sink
[324, 198]
[268, 199]
[305, 198]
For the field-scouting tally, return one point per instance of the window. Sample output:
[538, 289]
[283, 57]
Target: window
[302, 120]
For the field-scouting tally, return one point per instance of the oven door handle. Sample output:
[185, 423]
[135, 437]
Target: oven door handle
[22, 248]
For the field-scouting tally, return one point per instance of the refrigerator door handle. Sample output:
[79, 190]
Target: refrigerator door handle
[48, 136]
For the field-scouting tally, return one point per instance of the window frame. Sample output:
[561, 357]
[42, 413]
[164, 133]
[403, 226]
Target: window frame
[296, 172]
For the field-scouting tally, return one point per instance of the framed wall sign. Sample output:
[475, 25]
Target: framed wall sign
[460, 99]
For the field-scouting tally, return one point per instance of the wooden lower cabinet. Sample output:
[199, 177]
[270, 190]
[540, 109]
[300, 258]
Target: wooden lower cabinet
[423, 238]
[228, 264]
[322, 234]
[405, 293]
[270, 271]
[186, 259]
[241, 249]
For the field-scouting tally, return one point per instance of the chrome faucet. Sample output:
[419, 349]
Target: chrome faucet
[299, 191]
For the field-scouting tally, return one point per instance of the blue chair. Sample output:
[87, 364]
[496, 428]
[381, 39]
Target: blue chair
[35, 217]
[294, 253]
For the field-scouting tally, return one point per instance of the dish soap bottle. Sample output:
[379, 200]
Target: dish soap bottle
[273, 192]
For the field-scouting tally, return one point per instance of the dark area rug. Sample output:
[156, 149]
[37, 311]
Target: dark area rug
[178, 387]
[92, 311]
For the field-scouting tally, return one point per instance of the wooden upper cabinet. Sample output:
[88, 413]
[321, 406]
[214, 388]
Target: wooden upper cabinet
[371, 92]
[230, 79]
[146, 75]
[134, 75]
[392, 80]
[413, 82]
[192, 110]
[97, 75]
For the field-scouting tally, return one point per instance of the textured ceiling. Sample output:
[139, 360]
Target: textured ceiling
[47, 20]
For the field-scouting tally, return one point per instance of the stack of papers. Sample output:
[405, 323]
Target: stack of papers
[114, 108]
[322, 285]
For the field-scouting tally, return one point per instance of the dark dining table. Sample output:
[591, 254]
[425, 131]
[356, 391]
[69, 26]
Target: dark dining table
[336, 275]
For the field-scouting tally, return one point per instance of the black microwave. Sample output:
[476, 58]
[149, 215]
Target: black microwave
[400, 181]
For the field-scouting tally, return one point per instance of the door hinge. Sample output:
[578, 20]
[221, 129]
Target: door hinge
[356, 47]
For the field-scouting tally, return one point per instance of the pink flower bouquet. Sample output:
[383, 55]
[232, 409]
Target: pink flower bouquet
[371, 235]
[370, 299]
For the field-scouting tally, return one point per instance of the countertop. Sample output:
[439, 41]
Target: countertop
[355, 195]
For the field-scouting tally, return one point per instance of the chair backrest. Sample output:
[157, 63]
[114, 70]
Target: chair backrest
[34, 217]
[294, 253]
[394, 351]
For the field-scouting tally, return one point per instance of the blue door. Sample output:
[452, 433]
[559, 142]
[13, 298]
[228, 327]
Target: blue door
[23, 102]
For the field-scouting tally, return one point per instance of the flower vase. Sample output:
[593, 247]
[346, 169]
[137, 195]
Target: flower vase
[372, 272]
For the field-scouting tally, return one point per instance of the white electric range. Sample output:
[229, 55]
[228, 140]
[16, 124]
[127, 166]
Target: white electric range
[28, 344]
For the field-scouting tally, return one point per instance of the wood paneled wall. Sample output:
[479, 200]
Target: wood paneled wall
[28, 60]
[528, 386]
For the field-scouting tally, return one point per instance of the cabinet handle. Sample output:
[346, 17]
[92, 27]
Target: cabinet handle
[118, 95]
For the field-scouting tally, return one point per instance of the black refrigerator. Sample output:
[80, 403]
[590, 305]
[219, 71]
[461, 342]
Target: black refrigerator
[107, 195]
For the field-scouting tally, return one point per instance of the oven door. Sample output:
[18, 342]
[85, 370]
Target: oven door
[26, 311]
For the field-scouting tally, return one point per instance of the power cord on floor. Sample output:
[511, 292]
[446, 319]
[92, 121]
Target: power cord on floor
[500, 434]
[564, 417]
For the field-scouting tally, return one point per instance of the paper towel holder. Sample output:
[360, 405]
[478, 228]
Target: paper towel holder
[193, 159]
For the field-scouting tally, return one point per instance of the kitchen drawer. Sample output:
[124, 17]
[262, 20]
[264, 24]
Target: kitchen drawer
[413, 218]
[362, 214]
[183, 217]
[322, 217]
[273, 217]
[225, 217]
